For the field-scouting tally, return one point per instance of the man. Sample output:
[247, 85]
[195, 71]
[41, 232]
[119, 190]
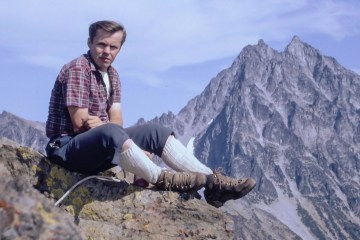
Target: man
[86, 134]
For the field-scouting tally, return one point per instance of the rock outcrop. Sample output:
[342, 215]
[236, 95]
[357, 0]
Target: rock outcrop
[96, 209]
[24, 212]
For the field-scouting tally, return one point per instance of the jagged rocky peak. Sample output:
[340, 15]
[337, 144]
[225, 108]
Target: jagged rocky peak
[261, 42]
[295, 43]
[259, 51]
[6, 114]
[291, 121]
[264, 48]
[304, 53]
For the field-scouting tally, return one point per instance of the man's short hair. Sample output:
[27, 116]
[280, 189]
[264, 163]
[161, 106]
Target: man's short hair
[108, 26]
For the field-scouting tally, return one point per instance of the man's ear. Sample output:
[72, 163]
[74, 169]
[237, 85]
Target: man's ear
[88, 42]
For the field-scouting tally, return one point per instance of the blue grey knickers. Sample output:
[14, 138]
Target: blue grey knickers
[93, 151]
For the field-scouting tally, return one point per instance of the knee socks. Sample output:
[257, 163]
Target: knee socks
[134, 160]
[179, 158]
[175, 155]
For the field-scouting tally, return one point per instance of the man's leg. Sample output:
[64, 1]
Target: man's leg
[149, 137]
[107, 145]
[89, 152]
[219, 188]
[179, 158]
[160, 140]
[134, 160]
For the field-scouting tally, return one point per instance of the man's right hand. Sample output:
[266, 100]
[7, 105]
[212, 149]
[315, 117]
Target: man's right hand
[81, 119]
[92, 122]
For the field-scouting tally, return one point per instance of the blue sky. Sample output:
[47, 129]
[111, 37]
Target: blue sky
[173, 50]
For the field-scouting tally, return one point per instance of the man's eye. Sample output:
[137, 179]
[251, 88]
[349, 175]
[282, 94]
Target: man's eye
[113, 47]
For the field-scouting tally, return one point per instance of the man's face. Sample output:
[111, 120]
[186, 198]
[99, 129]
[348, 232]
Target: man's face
[104, 48]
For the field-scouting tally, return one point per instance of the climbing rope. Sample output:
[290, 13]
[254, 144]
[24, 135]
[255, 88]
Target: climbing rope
[103, 178]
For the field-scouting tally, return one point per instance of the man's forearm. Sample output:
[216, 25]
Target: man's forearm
[117, 120]
[78, 116]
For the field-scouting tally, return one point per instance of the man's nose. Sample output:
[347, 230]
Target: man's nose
[107, 49]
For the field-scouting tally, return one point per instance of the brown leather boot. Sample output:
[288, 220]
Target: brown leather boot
[220, 188]
[180, 181]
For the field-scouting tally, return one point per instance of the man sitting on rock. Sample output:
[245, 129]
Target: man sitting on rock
[86, 135]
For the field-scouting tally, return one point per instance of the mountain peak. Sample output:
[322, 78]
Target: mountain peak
[261, 43]
[295, 45]
[260, 50]
[5, 113]
[302, 51]
[296, 40]
[298, 100]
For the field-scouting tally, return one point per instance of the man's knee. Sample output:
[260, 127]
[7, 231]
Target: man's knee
[156, 130]
[114, 133]
[150, 137]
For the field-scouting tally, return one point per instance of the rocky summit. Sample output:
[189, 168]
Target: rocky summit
[95, 209]
[289, 119]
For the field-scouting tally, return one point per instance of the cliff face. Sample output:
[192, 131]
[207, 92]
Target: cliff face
[291, 120]
[95, 209]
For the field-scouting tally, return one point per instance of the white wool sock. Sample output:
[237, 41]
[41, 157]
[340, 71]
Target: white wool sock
[134, 160]
[179, 158]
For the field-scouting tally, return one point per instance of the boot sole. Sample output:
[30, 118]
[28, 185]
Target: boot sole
[224, 197]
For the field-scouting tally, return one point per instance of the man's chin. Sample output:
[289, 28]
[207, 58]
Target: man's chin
[104, 67]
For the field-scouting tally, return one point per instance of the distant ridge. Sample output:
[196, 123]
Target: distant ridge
[14, 129]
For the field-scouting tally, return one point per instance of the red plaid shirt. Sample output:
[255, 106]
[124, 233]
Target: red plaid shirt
[80, 84]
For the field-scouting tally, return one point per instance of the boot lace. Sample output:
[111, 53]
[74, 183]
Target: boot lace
[177, 180]
[224, 181]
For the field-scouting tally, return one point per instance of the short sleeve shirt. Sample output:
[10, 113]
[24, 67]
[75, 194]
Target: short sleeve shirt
[80, 84]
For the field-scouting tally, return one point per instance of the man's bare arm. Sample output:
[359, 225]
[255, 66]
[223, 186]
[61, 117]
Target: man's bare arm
[81, 119]
[115, 114]
[78, 117]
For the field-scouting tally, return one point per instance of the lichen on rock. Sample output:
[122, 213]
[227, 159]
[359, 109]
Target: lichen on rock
[95, 209]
